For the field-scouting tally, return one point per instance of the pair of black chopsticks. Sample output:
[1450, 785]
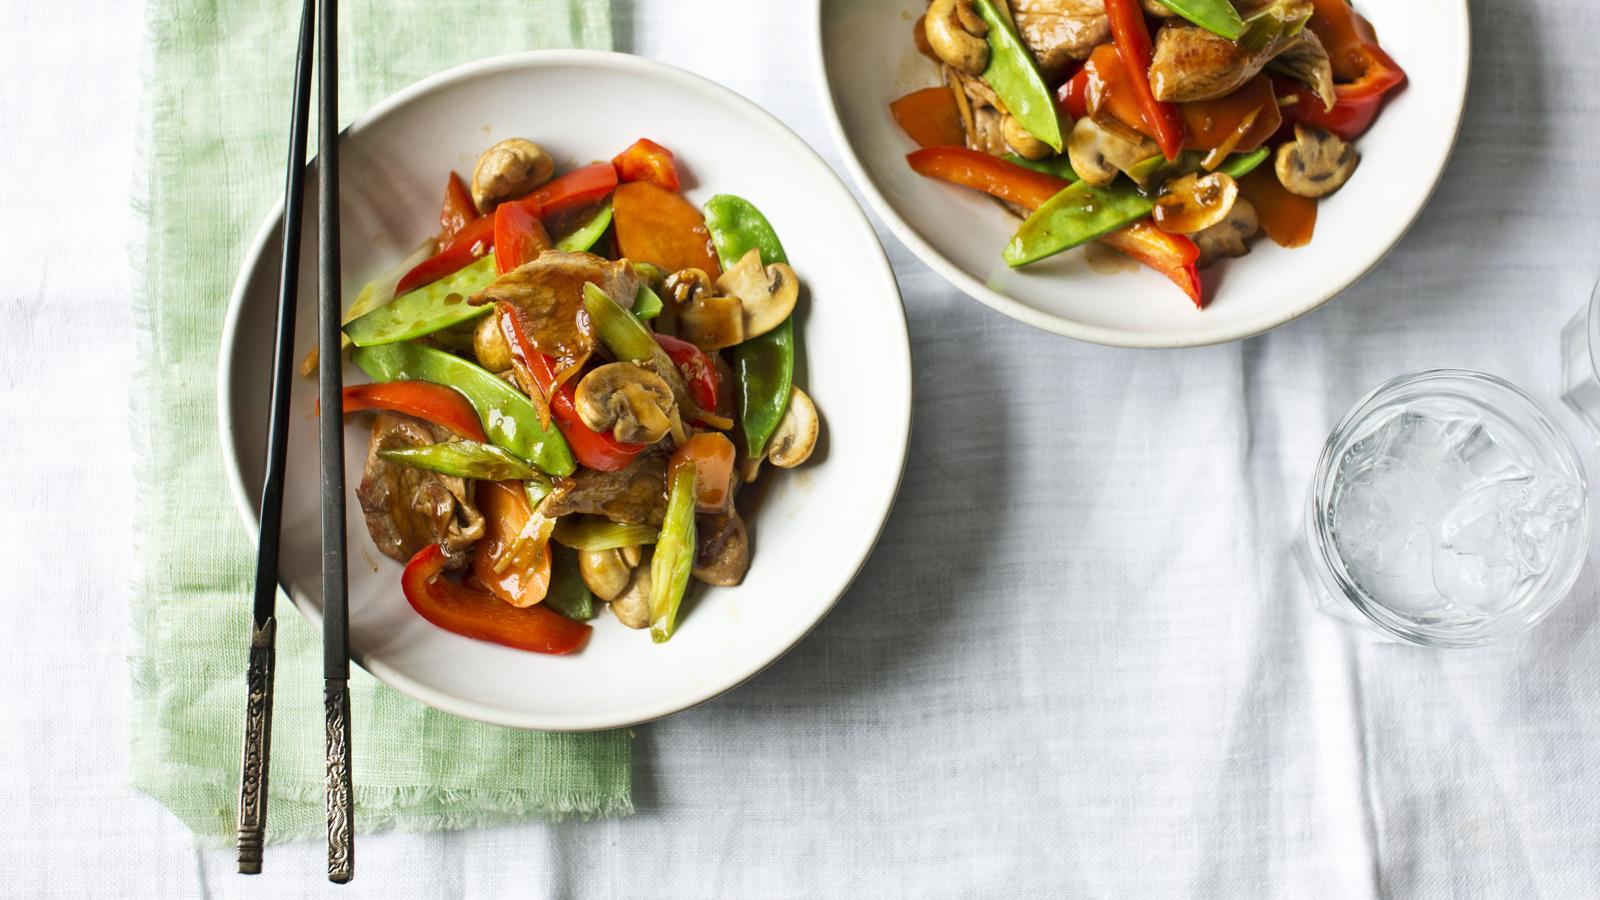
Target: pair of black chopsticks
[335, 609]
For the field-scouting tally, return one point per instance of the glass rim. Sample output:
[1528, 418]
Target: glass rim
[1593, 329]
[1319, 528]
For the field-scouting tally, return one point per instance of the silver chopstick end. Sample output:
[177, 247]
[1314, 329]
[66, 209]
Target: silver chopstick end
[341, 805]
[257, 746]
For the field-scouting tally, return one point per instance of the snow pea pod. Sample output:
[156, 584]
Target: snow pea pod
[509, 418]
[1083, 212]
[646, 304]
[589, 232]
[763, 367]
[568, 594]
[1059, 166]
[465, 459]
[1016, 79]
[433, 307]
[1216, 16]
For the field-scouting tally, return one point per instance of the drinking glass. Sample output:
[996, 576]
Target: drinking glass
[1446, 511]
[1580, 350]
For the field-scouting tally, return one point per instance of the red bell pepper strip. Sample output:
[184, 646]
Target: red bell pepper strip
[478, 615]
[580, 187]
[519, 236]
[646, 160]
[425, 400]
[930, 117]
[695, 367]
[458, 209]
[1132, 38]
[1366, 73]
[1073, 97]
[992, 175]
[592, 449]
[473, 241]
[1173, 255]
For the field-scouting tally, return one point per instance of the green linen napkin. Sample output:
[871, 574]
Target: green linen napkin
[217, 130]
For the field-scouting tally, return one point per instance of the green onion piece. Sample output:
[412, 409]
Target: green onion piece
[622, 334]
[464, 459]
[673, 560]
[595, 533]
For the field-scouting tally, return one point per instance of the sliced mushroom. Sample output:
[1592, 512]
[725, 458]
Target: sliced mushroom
[632, 606]
[608, 572]
[988, 131]
[1230, 237]
[489, 345]
[1195, 202]
[633, 403]
[955, 34]
[508, 170]
[722, 550]
[1097, 153]
[767, 294]
[1316, 164]
[796, 435]
[1022, 140]
[712, 322]
[684, 285]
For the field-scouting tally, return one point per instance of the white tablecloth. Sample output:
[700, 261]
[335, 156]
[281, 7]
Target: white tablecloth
[1081, 661]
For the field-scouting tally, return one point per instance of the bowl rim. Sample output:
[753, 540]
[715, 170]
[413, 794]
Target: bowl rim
[1099, 334]
[742, 107]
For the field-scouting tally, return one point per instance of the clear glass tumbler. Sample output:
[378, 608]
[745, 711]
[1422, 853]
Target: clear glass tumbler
[1447, 511]
[1580, 351]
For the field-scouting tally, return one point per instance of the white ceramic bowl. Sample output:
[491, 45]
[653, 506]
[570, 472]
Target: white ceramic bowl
[811, 528]
[867, 60]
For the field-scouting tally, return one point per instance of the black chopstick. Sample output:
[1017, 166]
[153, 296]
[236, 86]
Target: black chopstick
[330, 425]
[263, 621]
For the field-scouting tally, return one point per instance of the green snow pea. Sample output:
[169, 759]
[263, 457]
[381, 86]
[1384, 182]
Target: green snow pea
[465, 459]
[763, 367]
[1058, 165]
[432, 307]
[1015, 78]
[589, 232]
[646, 304]
[568, 594]
[1082, 212]
[1216, 16]
[509, 418]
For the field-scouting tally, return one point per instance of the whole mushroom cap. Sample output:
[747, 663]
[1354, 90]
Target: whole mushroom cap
[509, 169]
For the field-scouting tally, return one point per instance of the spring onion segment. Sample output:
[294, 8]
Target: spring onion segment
[673, 560]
